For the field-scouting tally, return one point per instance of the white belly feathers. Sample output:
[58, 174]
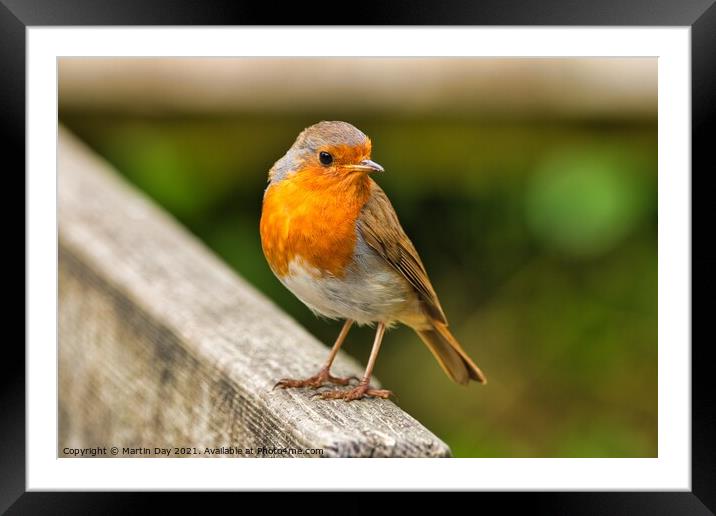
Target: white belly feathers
[368, 291]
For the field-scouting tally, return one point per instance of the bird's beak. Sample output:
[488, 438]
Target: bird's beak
[367, 166]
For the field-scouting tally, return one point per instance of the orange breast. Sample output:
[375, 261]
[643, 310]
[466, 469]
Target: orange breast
[312, 216]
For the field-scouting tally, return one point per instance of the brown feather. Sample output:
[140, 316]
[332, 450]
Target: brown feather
[381, 229]
[379, 225]
[450, 355]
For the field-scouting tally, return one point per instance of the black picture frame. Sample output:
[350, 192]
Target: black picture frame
[17, 15]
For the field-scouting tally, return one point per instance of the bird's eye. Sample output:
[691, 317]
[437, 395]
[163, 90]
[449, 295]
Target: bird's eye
[325, 158]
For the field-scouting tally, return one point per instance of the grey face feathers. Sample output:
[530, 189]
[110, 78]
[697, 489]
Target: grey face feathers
[311, 140]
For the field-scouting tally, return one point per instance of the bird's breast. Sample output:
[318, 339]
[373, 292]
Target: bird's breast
[311, 241]
[311, 220]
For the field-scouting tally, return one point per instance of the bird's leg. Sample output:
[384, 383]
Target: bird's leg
[323, 376]
[363, 389]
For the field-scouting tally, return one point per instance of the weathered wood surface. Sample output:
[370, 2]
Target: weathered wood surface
[162, 345]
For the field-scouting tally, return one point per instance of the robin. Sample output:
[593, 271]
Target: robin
[331, 236]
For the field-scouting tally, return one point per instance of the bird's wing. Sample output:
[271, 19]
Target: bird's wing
[380, 228]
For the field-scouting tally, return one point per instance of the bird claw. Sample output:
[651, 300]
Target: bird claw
[314, 382]
[357, 393]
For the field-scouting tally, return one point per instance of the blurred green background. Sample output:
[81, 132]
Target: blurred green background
[536, 219]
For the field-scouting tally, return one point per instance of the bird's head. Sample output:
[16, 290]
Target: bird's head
[328, 149]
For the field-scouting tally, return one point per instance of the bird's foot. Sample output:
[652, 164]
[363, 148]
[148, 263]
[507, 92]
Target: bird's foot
[361, 391]
[314, 382]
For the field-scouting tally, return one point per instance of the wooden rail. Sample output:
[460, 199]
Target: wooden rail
[163, 346]
[593, 87]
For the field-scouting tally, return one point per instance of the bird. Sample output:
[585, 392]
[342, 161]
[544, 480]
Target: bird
[331, 236]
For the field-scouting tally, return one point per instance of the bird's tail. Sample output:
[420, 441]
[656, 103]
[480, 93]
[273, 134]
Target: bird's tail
[450, 355]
